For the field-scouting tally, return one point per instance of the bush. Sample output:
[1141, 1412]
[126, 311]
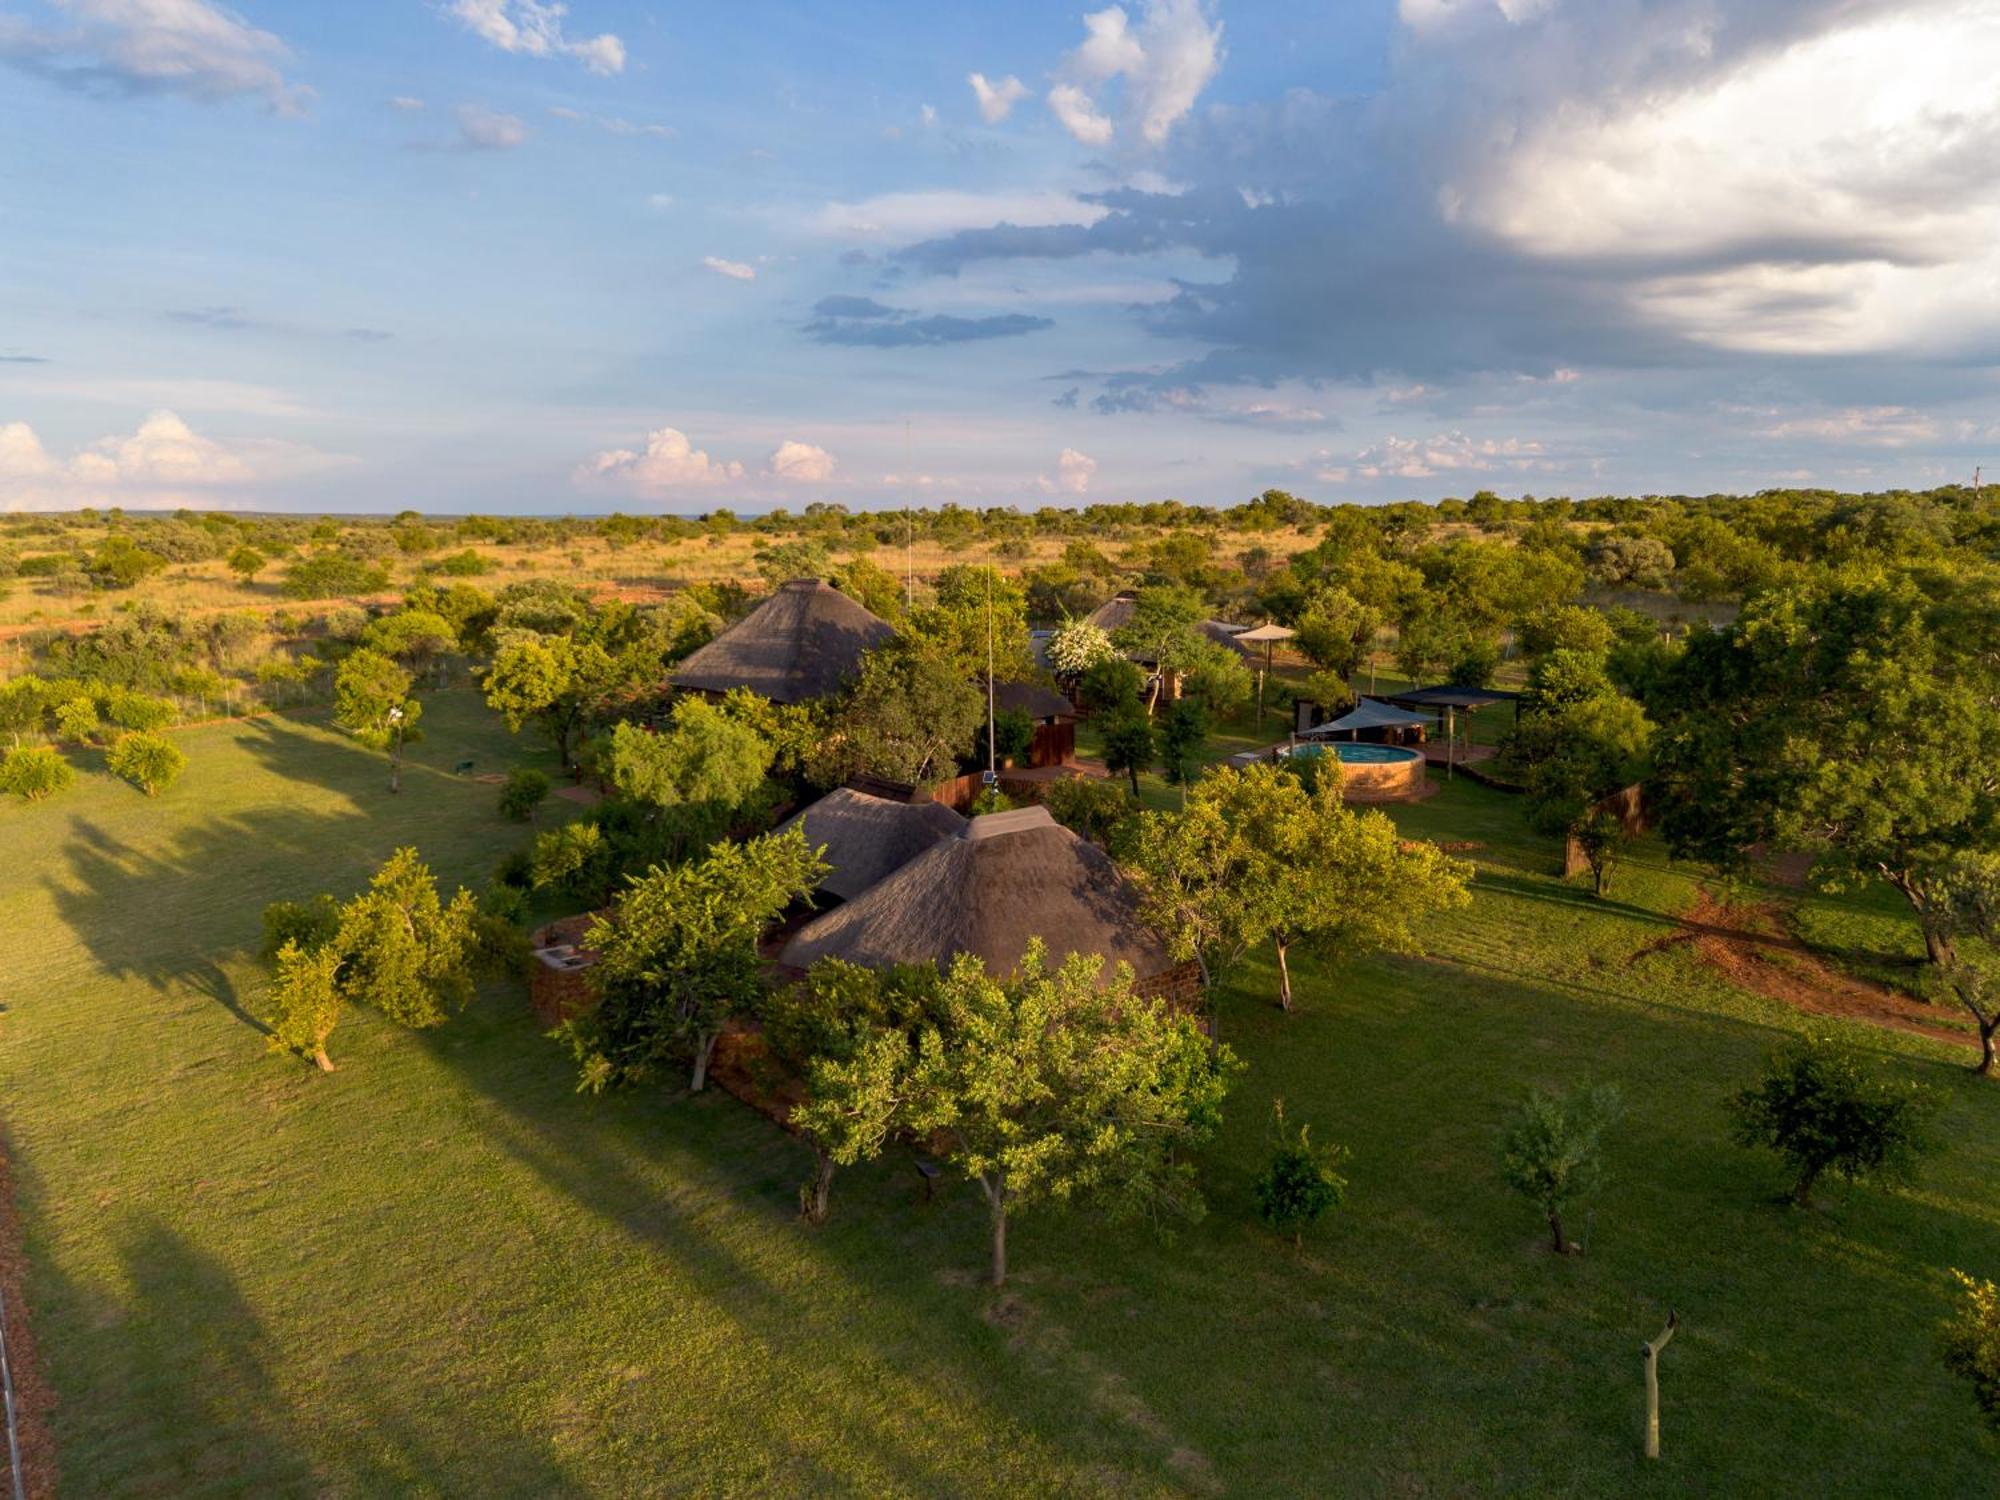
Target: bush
[150, 762]
[33, 772]
[1822, 1109]
[466, 564]
[76, 720]
[526, 789]
[1301, 1182]
[1972, 1343]
[326, 575]
[131, 709]
[991, 800]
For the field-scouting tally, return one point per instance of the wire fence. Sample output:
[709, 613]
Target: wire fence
[20, 1483]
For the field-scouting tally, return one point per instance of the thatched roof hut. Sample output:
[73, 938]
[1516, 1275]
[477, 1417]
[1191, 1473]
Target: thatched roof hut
[1039, 703]
[1006, 879]
[869, 838]
[803, 642]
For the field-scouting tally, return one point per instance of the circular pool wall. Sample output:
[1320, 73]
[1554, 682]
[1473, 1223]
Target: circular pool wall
[1372, 773]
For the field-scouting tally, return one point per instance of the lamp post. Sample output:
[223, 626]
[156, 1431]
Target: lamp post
[396, 749]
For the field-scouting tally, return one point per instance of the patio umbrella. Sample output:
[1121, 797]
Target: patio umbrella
[1270, 635]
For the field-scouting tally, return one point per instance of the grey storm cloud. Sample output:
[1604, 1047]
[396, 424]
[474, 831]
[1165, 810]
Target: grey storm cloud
[864, 323]
[1339, 257]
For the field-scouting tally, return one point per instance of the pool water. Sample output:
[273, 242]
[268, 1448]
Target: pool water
[1357, 754]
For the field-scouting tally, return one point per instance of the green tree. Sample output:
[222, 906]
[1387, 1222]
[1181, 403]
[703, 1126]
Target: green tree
[1300, 1182]
[525, 790]
[1075, 647]
[1822, 1109]
[151, 762]
[1163, 631]
[1576, 755]
[420, 639]
[246, 562]
[555, 681]
[1552, 1153]
[76, 720]
[1336, 631]
[701, 771]
[303, 1004]
[1963, 900]
[1053, 1087]
[1257, 857]
[372, 702]
[909, 717]
[978, 612]
[678, 957]
[1128, 745]
[1850, 716]
[1183, 731]
[404, 950]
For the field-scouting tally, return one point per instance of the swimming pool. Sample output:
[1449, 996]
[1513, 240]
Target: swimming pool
[1353, 753]
[1369, 773]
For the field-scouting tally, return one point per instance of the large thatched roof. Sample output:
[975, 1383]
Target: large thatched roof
[869, 838]
[1007, 878]
[1032, 699]
[805, 641]
[1116, 613]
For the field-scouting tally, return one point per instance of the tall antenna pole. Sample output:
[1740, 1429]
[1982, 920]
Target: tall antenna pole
[909, 528]
[992, 750]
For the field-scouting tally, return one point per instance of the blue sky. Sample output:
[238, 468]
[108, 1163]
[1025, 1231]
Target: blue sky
[500, 255]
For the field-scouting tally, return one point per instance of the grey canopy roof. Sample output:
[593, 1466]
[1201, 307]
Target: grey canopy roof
[1006, 879]
[867, 838]
[1448, 696]
[1368, 714]
[803, 642]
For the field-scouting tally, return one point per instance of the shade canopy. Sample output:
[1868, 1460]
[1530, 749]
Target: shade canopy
[804, 642]
[868, 838]
[1368, 714]
[1007, 879]
[1260, 634]
[1448, 696]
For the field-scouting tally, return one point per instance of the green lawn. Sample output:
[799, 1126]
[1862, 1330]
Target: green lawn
[442, 1271]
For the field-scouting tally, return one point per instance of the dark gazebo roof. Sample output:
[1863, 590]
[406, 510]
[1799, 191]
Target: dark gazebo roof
[868, 838]
[803, 642]
[1448, 696]
[1008, 878]
[1032, 699]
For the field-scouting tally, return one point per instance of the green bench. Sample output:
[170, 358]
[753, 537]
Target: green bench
[463, 768]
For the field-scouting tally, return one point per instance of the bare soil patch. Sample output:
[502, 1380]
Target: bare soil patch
[32, 1397]
[1752, 946]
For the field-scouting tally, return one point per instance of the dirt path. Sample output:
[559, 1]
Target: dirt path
[32, 1397]
[1753, 947]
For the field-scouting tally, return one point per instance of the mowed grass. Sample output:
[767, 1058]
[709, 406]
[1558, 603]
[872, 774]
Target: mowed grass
[442, 1271]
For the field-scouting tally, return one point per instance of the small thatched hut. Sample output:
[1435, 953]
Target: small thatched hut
[805, 641]
[1006, 879]
[868, 838]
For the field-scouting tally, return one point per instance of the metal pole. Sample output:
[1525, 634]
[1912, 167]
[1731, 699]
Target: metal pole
[20, 1486]
[992, 750]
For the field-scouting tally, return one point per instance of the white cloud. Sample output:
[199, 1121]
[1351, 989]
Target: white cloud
[408, 103]
[184, 47]
[482, 129]
[1785, 226]
[1865, 426]
[1074, 471]
[1446, 453]
[1075, 112]
[996, 100]
[1165, 61]
[735, 270]
[164, 462]
[670, 462]
[920, 215]
[534, 29]
[802, 463]
[928, 114]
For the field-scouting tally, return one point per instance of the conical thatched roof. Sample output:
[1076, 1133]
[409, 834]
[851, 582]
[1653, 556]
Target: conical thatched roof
[803, 642]
[869, 838]
[1008, 878]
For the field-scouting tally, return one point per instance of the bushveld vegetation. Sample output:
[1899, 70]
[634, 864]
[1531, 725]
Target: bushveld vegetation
[1794, 675]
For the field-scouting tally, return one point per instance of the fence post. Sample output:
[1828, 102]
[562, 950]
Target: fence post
[20, 1487]
[1651, 1353]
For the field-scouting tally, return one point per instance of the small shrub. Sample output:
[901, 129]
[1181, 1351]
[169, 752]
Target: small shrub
[1301, 1181]
[303, 1004]
[466, 564]
[150, 762]
[1822, 1109]
[1087, 806]
[1550, 1155]
[1972, 1343]
[991, 800]
[131, 709]
[33, 772]
[76, 720]
[525, 790]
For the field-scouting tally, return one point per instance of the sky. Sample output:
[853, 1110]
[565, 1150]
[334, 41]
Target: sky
[513, 256]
